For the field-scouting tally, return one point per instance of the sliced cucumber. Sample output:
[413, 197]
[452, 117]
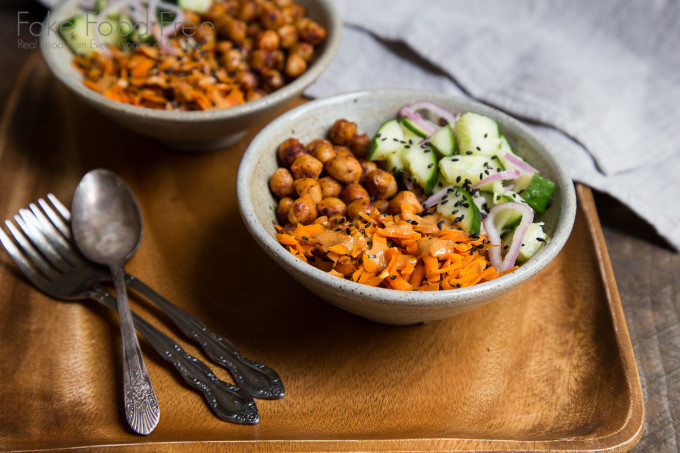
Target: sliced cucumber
[460, 209]
[539, 193]
[421, 162]
[197, 6]
[99, 5]
[507, 220]
[477, 134]
[395, 163]
[387, 140]
[443, 141]
[407, 123]
[79, 37]
[459, 169]
[534, 239]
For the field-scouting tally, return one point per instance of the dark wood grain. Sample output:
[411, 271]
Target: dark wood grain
[547, 367]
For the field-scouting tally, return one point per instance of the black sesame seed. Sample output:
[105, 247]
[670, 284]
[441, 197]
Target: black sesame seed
[540, 239]
[444, 202]
[430, 165]
[407, 146]
[393, 277]
[440, 224]
[468, 152]
[458, 179]
[338, 229]
[486, 135]
[305, 238]
[348, 231]
[455, 159]
[427, 150]
[478, 148]
[486, 172]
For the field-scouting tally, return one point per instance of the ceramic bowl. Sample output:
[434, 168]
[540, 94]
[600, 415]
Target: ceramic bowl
[196, 130]
[369, 109]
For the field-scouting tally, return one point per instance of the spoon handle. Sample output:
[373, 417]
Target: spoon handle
[227, 401]
[258, 379]
[141, 406]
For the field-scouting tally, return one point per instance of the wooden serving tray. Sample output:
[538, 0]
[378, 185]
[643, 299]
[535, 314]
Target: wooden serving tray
[548, 367]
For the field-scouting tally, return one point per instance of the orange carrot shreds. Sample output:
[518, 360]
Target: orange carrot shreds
[396, 252]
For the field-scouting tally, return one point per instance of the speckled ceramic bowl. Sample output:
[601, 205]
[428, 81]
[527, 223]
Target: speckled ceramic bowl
[191, 131]
[369, 109]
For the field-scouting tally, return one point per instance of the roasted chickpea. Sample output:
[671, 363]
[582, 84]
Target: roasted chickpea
[248, 11]
[342, 132]
[273, 79]
[381, 205]
[279, 58]
[358, 206]
[233, 60]
[366, 168]
[321, 149]
[310, 31]
[331, 206]
[345, 169]
[323, 220]
[261, 60]
[381, 184]
[254, 29]
[255, 94]
[308, 186]
[342, 151]
[236, 30]
[247, 80]
[224, 46]
[303, 210]
[353, 192]
[404, 198]
[305, 50]
[330, 187]
[267, 40]
[292, 13]
[288, 36]
[359, 145]
[306, 166]
[271, 16]
[281, 183]
[290, 150]
[282, 210]
[295, 65]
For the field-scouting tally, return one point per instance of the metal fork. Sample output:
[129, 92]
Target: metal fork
[258, 379]
[69, 277]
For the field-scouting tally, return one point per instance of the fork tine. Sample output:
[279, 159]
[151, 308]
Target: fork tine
[54, 217]
[22, 262]
[63, 210]
[27, 221]
[29, 250]
[57, 240]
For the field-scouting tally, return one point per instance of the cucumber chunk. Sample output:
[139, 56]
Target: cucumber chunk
[477, 134]
[458, 169]
[197, 6]
[443, 141]
[460, 209]
[387, 140]
[395, 163]
[534, 239]
[539, 193]
[421, 162]
[80, 38]
[507, 220]
[407, 123]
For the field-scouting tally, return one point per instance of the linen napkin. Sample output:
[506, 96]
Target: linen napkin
[598, 81]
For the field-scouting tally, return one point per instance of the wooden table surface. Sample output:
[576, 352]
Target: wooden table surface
[646, 268]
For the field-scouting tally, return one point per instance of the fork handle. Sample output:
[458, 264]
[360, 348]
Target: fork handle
[227, 401]
[258, 379]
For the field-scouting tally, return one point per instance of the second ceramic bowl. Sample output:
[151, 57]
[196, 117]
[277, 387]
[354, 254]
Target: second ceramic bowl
[369, 109]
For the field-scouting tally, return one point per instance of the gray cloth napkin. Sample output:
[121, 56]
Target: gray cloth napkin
[599, 81]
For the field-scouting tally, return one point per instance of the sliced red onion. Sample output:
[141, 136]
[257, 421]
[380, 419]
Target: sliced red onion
[499, 176]
[87, 5]
[408, 181]
[435, 110]
[519, 163]
[427, 126]
[435, 198]
[502, 264]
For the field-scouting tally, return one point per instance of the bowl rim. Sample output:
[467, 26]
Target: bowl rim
[279, 96]
[388, 296]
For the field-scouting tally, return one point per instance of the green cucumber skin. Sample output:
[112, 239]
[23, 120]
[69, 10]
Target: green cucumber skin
[539, 193]
[383, 143]
[444, 141]
[411, 126]
[415, 158]
[472, 221]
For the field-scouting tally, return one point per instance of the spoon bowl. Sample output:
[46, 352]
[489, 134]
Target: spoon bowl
[107, 224]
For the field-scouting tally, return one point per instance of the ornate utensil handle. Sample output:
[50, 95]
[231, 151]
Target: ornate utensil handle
[227, 401]
[141, 406]
[256, 378]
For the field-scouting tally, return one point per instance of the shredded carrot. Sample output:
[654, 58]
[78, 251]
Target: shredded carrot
[400, 252]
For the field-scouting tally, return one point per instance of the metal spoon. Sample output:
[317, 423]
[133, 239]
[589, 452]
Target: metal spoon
[107, 228]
